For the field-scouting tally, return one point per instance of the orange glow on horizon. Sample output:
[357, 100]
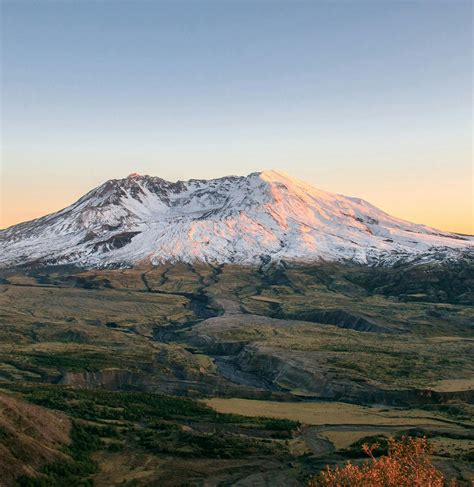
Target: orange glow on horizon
[449, 210]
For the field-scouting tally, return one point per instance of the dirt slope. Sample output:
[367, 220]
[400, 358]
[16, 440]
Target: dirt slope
[30, 437]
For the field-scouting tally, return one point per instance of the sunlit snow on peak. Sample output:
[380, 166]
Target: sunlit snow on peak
[264, 216]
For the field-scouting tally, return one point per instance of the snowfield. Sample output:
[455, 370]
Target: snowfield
[247, 220]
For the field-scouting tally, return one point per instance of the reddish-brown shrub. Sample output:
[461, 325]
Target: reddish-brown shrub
[407, 464]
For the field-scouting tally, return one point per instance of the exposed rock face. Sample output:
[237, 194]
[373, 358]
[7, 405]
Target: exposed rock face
[185, 384]
[112, 379]
[342, 319]
[256, 219]
[292, 372]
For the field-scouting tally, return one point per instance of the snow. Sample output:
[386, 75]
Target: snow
[226, 220]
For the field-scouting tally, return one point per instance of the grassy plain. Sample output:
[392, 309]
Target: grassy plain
[331, 413]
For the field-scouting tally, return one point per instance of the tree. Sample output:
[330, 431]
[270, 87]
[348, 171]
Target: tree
[407, 464]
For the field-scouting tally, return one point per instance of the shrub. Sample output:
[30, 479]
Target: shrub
[407, 464]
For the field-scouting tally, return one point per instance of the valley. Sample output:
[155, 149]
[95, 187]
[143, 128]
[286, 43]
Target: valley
[173, 369]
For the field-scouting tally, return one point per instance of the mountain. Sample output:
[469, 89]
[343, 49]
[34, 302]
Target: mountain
[261, 217]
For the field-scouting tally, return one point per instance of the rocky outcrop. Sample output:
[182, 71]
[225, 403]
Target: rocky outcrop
[341, 318]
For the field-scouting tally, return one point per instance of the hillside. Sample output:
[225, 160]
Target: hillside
[30, 438]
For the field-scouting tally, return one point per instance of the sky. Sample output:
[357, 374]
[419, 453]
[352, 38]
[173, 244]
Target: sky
[365, 98]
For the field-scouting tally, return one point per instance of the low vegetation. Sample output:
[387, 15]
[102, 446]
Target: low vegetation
[76, 468]
[31, 438]
[149, 423]
[407, 464]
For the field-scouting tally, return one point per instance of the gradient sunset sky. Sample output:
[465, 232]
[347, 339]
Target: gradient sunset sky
[365, 98]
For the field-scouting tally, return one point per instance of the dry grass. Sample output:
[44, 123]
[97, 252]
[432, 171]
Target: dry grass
[326, 413]
[94, 306]
[344, 439]
[266, 299]
[450, 385]
[451, 446]
[30, 437]
[121, 467]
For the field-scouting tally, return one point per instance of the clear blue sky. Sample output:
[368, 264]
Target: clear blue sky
[366, 98]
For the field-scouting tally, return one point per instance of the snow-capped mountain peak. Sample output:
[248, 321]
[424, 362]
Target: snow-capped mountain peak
[264, 216]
